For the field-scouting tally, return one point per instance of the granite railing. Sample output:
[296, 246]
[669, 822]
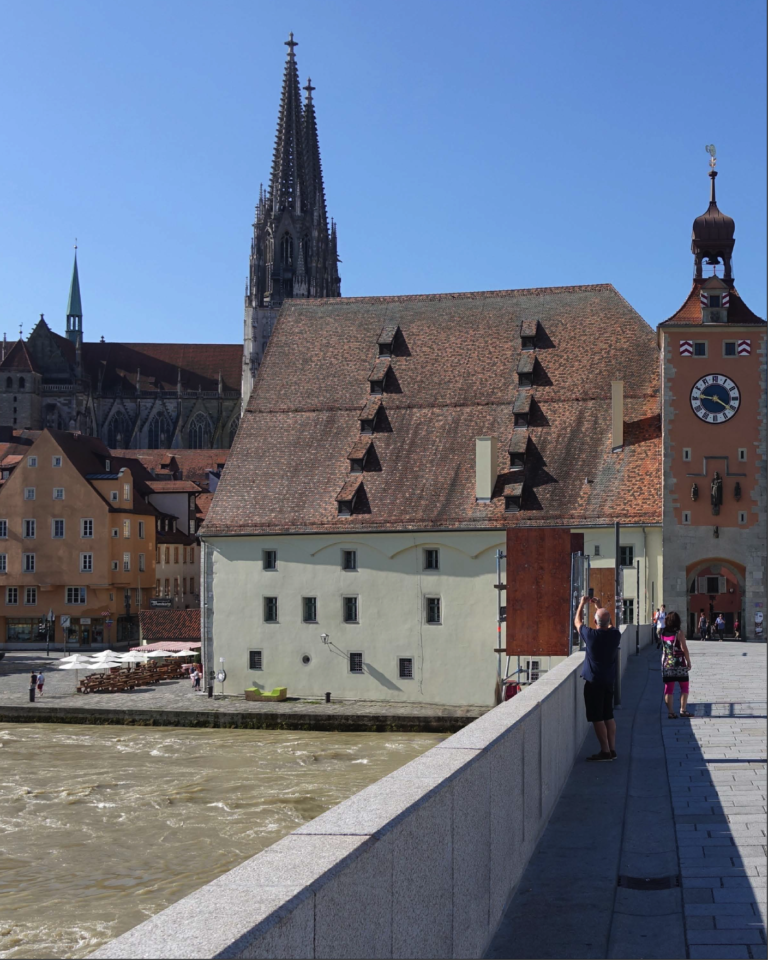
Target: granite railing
[420, 864]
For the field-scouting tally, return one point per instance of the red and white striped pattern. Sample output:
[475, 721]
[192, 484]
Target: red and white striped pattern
[726, 300]
[744, 348]
[704, 297]
[686, 348]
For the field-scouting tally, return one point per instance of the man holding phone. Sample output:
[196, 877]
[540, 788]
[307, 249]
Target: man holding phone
[599, 673]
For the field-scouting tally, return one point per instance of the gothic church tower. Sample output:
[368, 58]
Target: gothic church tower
[293, 251]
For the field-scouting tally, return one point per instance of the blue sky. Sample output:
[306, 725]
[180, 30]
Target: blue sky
[465, 146]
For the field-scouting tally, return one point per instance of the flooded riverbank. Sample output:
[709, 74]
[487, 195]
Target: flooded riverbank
[102, 827]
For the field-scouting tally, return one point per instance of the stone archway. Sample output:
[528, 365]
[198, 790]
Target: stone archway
[715, 585]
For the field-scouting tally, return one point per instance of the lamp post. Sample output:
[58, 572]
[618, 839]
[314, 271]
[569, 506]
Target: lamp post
[49, 628]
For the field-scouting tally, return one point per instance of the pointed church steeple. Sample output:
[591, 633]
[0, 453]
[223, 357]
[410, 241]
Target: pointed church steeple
[287, 181]
[314, 168]
[712, 239]
[74, 306]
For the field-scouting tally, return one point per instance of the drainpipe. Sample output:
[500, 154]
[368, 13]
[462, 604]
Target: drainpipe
[617, 605]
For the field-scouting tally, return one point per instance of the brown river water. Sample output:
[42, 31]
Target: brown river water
[102, 827]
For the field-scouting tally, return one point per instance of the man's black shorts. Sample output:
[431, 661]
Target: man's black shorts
[598, 699]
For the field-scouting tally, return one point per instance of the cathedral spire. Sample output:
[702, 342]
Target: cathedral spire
[287, 183]
[74, 306]
[314, 168]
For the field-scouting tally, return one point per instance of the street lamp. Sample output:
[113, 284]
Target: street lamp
[324, 637]
[49, 628]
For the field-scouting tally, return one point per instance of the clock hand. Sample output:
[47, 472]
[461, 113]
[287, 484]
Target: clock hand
[706, 396]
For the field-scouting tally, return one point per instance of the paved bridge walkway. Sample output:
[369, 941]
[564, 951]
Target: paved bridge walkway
[684, 803]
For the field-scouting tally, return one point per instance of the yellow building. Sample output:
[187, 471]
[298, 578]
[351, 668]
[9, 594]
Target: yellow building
[77, 542]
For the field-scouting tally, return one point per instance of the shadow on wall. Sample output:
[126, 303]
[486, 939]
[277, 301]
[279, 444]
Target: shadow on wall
[381, 678]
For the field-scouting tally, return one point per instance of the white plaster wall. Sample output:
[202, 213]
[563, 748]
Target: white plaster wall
[454, 663]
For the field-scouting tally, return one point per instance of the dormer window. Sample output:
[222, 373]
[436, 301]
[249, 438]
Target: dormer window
[528, 330]
[714, 299]
[522, 408]
[529, 343]
[378, 376]
[517, 448]
[525, 369]
[347, 496]
[358, 455]
[386, 339]
[513, 497]
[368, 415]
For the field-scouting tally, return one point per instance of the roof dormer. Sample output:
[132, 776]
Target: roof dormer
[358, 455]
[346, 497]
[517, 449]
[528, 330]
[378, 375]
[525, 366]
[522, 408]
[386, 339]
[715, 300]
[369, 414]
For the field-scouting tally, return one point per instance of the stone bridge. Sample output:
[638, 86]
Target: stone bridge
[502, 842]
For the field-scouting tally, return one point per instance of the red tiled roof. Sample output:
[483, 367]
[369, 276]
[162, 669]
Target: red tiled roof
[689, 313]
[159, 364]
[203, 504]
[453, 379]
[18, 358]
[193, 464]
[173, 486]
[169, 625]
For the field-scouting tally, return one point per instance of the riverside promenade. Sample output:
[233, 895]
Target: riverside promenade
[684, 803]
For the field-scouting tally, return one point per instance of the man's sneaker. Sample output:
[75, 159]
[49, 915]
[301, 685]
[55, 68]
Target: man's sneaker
[600, 758]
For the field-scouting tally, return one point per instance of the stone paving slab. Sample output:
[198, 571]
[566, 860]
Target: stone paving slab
[175, 703]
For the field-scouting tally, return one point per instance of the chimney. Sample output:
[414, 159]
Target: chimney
[486, 468]
[617, 414]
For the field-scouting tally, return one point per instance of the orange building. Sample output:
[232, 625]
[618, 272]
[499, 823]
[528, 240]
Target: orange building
[714, 434]
[77, 541]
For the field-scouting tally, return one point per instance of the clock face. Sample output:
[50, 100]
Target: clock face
[715, 398]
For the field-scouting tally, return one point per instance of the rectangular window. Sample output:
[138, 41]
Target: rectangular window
[167, 555]
[107, 465]
[356, 663]
[126, 562]
[137, 597]
[714, 299]
[115, 532]
[29, 493]
[729, 348]
[686, 453]
[191, 554]
[686, 516]
[57, 529]
[142, 563]
[86, 563]
[176, 587]
[627, 556]
[30, 529]
[433, 610]
[191, 584]
[713, 584]
[309, 613]
[141, 529]
[76, 595]
[3, 563]
[4, 528]
[55, 461]
[30, 596]
[270, 609]
[58, 493]
[431, 559]
[167, 588]
[627, 611]
[12, 596]
[349, 559]
[597, 549]
[349, 609]
[184, 586]
[157, 555]
[405, 668]
[86, 528]
[742, 519]
[127, 529]
[700, 348]
[534, 670]
[184, 555]
[126, 491]
[175, 554]
[742, 459]
[255, 660]
[157, 589]
[31, 461]
[269, 559]
[115, 564]
[28, 565]
[114, 496]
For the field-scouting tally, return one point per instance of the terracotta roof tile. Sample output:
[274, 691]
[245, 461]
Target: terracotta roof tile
[518, 441]
[194, 464]
[350, 488]
[202, 505]
[169, 625]
[173, 486]
[528, 328]
[359, 448]
[370, 409]
[380, 369]
[523, 402]
[689, 314]
[527, 362]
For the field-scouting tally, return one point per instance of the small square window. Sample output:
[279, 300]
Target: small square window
[433, 610]
[31, 461]
[349, 559]
[55, 461]
[742, 516]
[349, 609]
[356, 663]
[700, 348]
[12, 596]
[405, 668]
[57, 529]
[86, 528]
[686, 453]
[627, 556]
[29, 493]
[269, 559]
[686, 516]
[114, 496]
[729, 348]
[255, 660]
[714, 299]
[58, 493]
[431, 559]
[742, 458]
[309, 613]
[115, 564]
[270, 609]
[597, 549]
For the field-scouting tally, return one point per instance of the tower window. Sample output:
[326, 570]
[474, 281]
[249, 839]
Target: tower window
[700, 348]
[729, 348]
[686, 516]
[286, 249]
[742, 516]
[686, 453]
[714, 299]
[742, 454]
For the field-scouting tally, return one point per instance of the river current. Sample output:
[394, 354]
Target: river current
[102, 827]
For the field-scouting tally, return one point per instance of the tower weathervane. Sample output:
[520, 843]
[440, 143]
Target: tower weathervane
[710, 148]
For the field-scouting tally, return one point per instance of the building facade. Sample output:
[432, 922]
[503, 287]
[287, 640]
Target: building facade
[293, 249]
[713, 353]
[132, 395]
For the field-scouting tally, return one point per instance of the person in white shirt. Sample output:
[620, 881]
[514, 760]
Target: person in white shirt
[661, 619]
[40, 683]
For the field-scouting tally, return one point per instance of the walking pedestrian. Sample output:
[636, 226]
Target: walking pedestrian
[720, 626]
[32, 686]
[737, 627]
[599, 672]
[198, 678]
[675, 665]
[40, 683]
[662, 618]
[703, 625]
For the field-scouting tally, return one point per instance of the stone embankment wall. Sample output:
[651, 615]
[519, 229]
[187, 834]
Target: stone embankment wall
[420, 864]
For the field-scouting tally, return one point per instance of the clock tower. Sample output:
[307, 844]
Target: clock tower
[713, 356]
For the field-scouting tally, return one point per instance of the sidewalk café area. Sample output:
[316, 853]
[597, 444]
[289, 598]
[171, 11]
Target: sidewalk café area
[112, 672]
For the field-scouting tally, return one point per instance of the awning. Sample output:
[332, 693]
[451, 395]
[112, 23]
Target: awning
[169, 645]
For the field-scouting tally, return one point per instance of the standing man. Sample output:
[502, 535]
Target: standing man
[703, 626]
[599, 673]
[720, 626]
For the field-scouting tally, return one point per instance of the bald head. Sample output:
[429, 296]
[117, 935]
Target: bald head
[603, 617]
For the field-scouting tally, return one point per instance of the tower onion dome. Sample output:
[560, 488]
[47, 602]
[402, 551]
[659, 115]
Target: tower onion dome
[712, 238]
